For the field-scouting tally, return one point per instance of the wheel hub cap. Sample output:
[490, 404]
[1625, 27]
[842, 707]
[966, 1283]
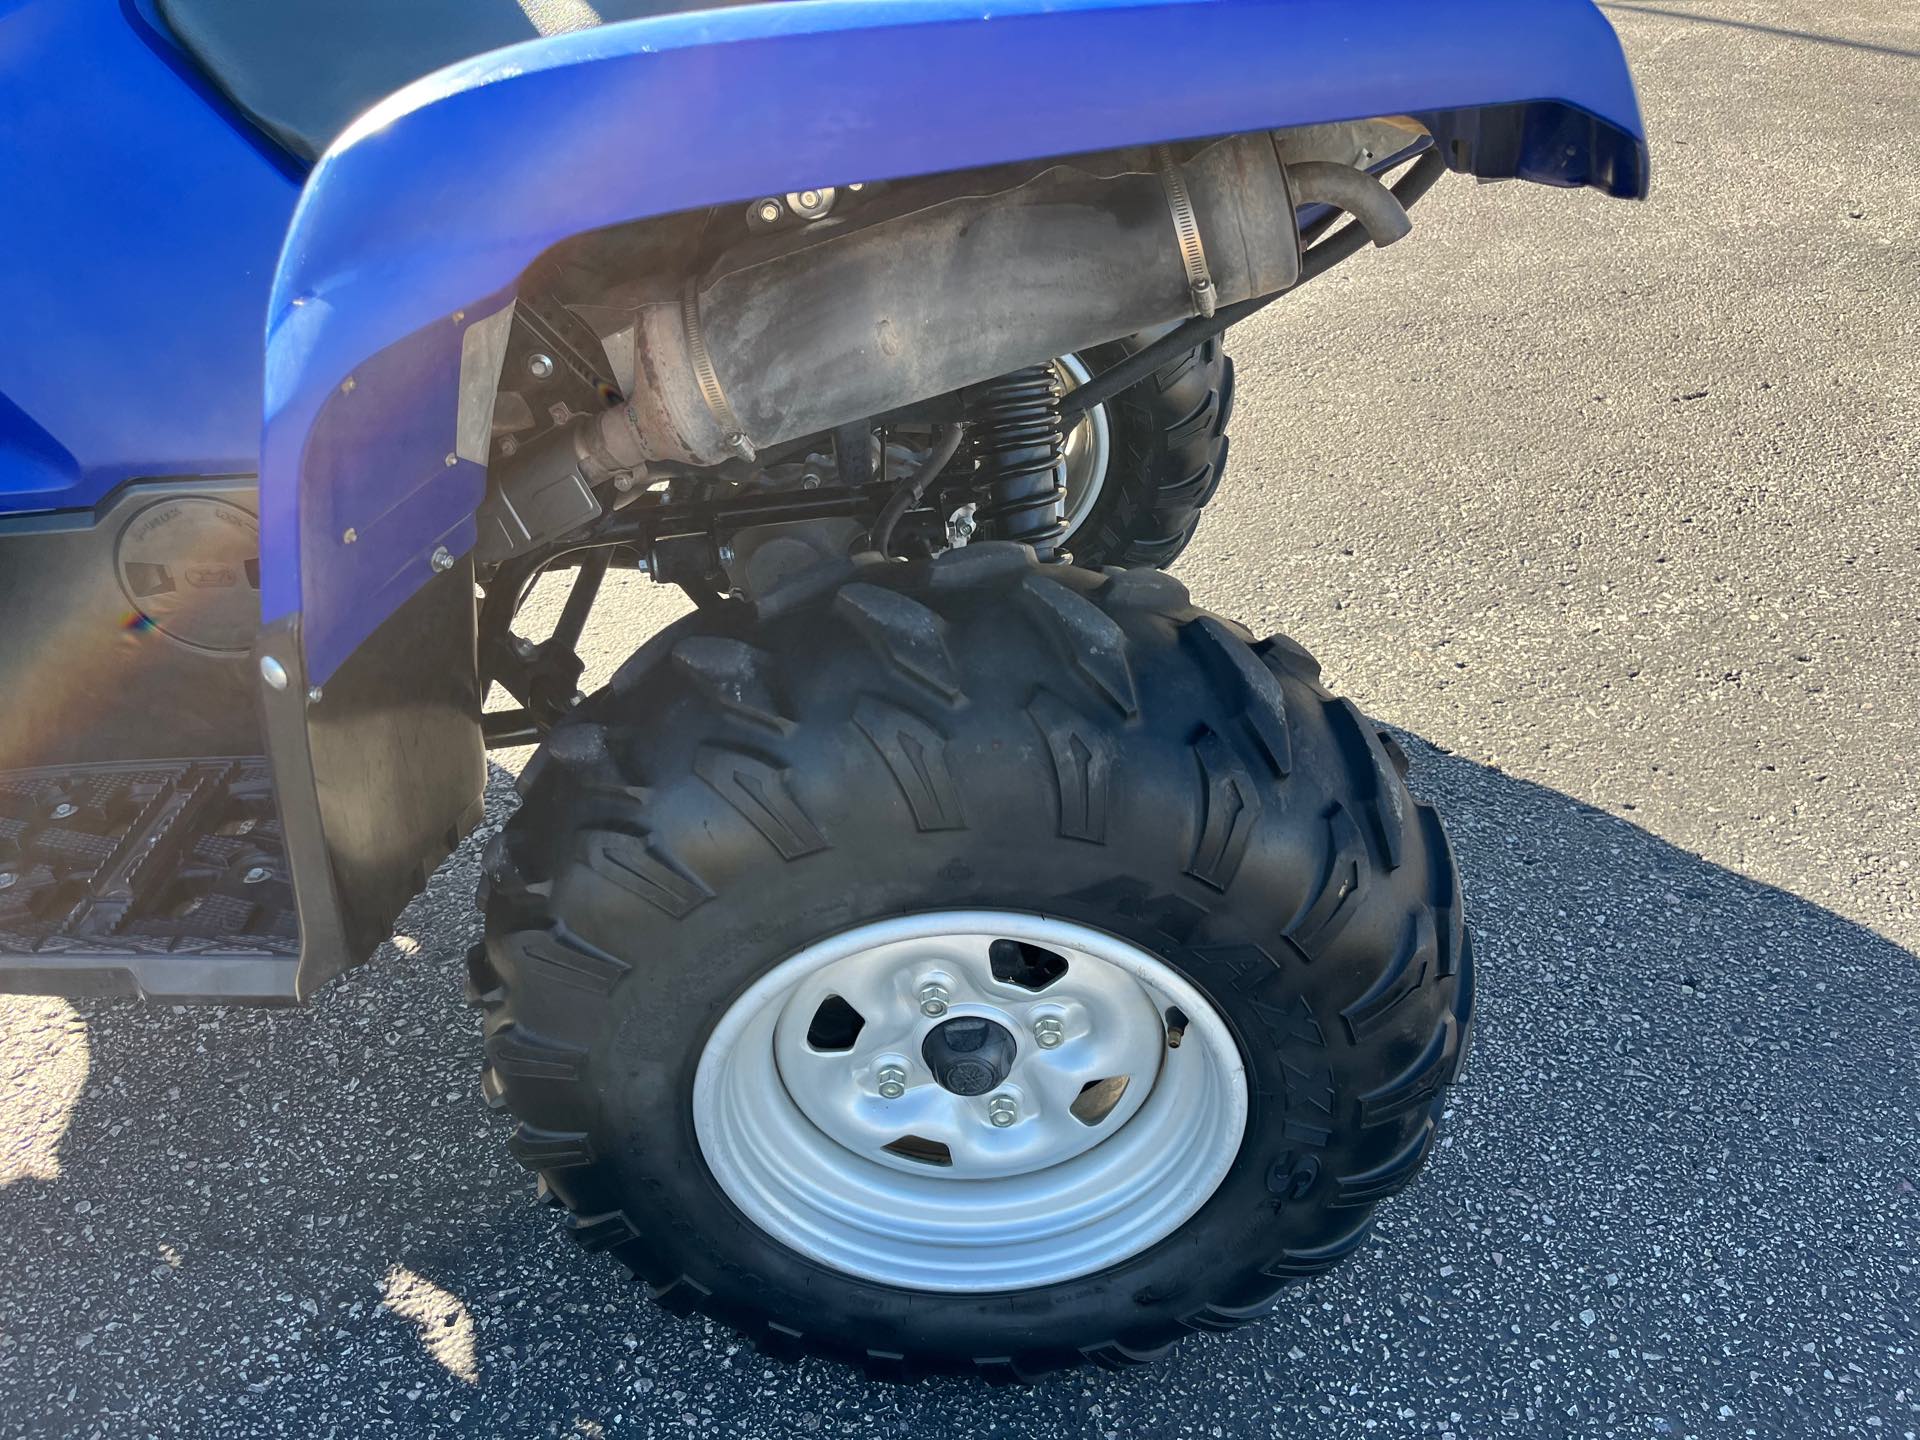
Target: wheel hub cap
[969, 1056]
[1074, 1101]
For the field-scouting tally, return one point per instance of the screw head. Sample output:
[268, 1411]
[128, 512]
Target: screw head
[540, 366]
[65, 810]
[442, 558]
[933, 999]
[891, 1081]
[255, 875]
[769, 211]
[273, 672]
[7, 878]
[1047, 1032]
[1003, 1110]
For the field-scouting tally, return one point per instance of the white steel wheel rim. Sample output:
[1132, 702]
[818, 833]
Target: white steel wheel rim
[798, 1136]
[1088, 454]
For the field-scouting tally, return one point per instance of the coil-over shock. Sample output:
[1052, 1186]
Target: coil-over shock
[1018, 440]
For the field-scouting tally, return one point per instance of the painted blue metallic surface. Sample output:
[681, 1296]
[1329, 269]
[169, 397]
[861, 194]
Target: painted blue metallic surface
[136, 255]
[444, 193]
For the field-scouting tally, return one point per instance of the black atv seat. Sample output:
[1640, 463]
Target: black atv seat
[302, 70]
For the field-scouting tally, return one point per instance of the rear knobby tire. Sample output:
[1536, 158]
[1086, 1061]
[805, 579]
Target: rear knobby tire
[975, 732]
[1169, 438]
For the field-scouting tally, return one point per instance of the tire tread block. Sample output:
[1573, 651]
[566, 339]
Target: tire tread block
[916, 753]
[1263, 702]
[1229, 810]
[906, 634]
[1413, 963]
[634, 865]
[1337, 899]
[758, 790]
[568, 960]
[1383, 795]
[1083, 761]
[513, 1052]
[539, 1149]
[1390, 1176]
[733, 675]
[1086, 637]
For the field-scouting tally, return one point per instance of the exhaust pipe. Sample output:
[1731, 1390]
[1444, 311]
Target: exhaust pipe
[940, 290]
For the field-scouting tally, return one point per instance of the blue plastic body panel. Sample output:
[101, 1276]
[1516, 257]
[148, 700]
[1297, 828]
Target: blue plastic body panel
[134, 278]
[140, 234]
[436, 200]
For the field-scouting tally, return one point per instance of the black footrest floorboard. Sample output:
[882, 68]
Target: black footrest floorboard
[165, 878]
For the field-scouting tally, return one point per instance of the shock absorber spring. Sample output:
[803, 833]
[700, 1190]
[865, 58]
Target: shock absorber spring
[1019, 440]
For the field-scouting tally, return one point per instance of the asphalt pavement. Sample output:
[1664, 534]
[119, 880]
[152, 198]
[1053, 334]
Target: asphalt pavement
[1613, 513]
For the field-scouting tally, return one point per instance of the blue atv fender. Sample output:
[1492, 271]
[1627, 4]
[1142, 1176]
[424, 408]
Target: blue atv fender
[375, 341]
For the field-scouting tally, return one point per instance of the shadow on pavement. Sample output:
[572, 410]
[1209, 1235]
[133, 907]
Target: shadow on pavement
[1676, 1192]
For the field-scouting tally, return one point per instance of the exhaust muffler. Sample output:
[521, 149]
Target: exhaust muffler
[926, 293]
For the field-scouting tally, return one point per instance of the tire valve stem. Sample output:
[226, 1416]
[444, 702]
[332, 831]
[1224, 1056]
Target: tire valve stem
[1176, 1026]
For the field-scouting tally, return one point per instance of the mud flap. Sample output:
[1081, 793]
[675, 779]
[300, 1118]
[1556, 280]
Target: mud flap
[380, 774]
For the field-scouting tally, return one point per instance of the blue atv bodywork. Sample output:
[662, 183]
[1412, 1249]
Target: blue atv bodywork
[188, 303]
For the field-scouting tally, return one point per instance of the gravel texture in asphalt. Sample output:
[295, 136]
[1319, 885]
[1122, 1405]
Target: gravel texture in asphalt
[1613, 513]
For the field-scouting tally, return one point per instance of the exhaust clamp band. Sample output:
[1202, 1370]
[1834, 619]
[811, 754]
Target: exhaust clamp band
[707, 378]
[1186, 228]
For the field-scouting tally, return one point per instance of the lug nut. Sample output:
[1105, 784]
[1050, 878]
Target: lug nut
[1003, 1110]
[892, 1082]
[1047, 1032]
[933, 999]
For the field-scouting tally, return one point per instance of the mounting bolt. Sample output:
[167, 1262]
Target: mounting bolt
[1003, 1110]
[65, 810]
[442, 558]
[625, 481]
[933, 999]
[1047, 1032]
[313, 694]
[540, 366]
[769, 211]
[273, 672]
[892, 1081]
[814, 204]
[255, 875]
[7, 877]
